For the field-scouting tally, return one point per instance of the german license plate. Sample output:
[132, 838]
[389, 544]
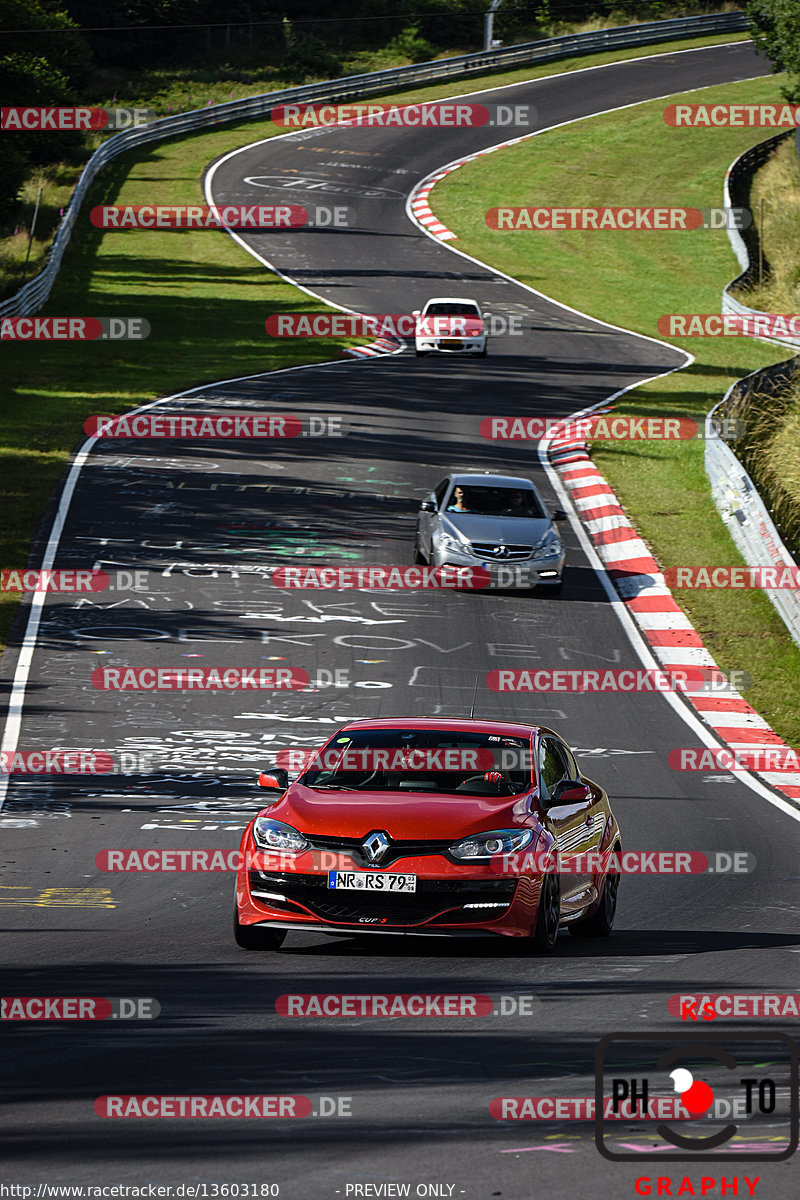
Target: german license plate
[371, 881]
[452, 343]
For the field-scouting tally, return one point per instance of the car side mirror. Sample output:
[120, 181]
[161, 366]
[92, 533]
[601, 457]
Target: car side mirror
[277, 779]
[415, 312]
[570, 792]
[559, 514]
[428, 506]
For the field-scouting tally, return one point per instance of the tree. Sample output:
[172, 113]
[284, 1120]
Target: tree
[775, 26]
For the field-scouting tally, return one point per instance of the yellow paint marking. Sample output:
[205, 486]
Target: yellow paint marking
[58, 898]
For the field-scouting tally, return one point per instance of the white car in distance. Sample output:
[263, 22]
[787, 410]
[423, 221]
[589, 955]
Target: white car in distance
[451, 325]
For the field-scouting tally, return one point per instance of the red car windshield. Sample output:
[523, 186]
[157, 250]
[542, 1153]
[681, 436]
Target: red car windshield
[425, 760]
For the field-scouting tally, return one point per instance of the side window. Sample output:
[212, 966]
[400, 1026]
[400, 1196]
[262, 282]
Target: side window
[572, 766]
[439, 492]
[552, 765]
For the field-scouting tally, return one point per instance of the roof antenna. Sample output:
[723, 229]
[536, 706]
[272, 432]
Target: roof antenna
[474, 694]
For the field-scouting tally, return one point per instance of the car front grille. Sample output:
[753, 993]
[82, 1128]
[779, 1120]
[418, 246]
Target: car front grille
[354, 849]
[501, 553]
[444, 898]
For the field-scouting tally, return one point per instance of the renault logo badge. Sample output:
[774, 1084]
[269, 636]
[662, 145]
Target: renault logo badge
[375, 846]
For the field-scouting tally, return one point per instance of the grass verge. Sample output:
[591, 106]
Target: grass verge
[190, 286]
[167, 94]
[630, 279]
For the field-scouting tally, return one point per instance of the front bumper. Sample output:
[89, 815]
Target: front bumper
[508, 573]
[462, 902]
[465, 345]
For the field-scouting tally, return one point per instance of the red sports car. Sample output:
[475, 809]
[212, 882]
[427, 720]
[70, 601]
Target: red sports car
[447, 827]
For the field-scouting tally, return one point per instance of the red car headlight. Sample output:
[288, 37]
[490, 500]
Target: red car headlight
[270, 834]
[487, 845]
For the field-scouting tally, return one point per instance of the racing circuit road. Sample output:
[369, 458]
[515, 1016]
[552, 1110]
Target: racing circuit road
[204, 520]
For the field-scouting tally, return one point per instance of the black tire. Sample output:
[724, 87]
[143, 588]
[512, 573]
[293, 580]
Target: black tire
[420, 353]
[256, 937]
[419, 558]
[601, 922]
[482, 353]
[548, 917]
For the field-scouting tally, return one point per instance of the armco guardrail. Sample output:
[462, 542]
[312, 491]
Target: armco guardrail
[734, 492]
[745, 242]
[34, 294]
[741, 507]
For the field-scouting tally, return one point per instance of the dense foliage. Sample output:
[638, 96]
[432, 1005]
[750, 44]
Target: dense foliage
[775, 25]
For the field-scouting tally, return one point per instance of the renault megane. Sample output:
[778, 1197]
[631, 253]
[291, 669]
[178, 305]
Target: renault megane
[446, 827]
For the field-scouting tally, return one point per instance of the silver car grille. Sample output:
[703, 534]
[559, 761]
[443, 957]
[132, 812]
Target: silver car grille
[508, 553]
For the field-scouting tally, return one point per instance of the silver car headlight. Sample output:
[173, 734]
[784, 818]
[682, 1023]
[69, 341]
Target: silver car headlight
[448, 542]
[486, 845]
[270, 834]
[550, 544]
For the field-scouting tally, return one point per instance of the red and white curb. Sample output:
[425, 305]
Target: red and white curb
[670, 635]
[375, 349]
[421, 209]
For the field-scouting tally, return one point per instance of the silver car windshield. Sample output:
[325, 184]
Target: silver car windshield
[497, 502]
